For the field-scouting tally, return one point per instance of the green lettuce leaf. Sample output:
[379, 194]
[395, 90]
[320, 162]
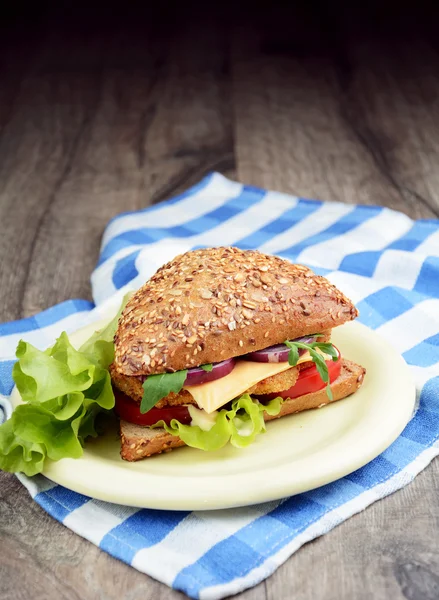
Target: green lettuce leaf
[208, 368]
[64, 391]
[240, 425]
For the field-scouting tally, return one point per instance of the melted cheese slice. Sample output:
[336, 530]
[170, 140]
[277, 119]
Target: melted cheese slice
[210, 396]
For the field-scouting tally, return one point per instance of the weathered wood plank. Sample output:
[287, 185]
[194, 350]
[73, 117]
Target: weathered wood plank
[93, 125]
[356, 124]
[89, 138]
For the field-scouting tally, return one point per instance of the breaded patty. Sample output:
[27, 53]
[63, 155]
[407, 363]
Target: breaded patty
[132, 387]
[276, 383]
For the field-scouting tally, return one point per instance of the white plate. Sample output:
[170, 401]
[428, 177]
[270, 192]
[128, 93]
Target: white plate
[298, 453]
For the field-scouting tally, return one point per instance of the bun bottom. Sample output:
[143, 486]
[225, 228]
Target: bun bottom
[138, 442]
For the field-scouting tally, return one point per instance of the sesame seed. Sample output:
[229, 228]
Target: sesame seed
[249, 304]
[266, 334]
[241, 343]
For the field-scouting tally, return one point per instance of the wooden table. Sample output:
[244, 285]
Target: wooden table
[119, 111]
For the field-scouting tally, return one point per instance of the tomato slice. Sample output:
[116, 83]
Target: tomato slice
[309, 381]
[128, 410]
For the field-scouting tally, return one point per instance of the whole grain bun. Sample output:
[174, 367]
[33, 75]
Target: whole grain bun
[209, 305]
[139, 442]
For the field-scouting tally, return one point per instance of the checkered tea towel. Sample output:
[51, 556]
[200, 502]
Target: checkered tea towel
[387, 263]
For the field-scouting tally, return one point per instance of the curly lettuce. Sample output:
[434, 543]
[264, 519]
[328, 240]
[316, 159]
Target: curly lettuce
[64, 390]
[238, 425]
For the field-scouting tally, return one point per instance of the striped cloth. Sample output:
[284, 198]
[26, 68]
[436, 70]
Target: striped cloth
[387, 263]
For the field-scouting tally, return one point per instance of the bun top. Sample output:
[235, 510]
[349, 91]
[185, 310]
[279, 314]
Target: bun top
[208, 305]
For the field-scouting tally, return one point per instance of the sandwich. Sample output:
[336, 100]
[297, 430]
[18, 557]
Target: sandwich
[218, 342]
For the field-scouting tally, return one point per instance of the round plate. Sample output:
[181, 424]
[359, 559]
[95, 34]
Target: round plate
[298, 453]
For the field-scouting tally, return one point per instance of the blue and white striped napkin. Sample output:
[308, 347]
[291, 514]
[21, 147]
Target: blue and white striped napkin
[387, 263]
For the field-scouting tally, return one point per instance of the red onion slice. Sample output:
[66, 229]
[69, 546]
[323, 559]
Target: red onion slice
[277, 353]
[198, 375]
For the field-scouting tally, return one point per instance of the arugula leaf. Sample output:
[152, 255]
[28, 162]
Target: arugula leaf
[159, 386]
[293, 355]
[207, 367]
[329, 349]
[318, 359]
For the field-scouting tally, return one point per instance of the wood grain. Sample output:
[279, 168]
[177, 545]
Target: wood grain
[358, 124]
[110, 113]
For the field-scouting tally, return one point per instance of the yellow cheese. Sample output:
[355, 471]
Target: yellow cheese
[210, 396]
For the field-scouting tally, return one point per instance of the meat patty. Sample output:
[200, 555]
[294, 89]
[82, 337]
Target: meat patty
[276, 383]
[132, 387]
